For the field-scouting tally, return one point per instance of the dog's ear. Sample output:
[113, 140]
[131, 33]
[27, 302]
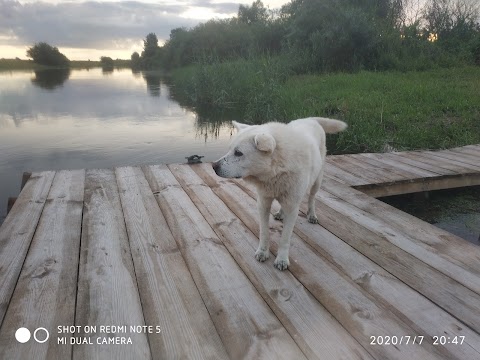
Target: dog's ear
[239, 126]
[265, 142]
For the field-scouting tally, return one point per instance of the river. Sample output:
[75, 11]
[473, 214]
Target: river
[71, 119]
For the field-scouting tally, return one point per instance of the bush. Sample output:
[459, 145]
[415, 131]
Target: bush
[106, 63]
[44, 54]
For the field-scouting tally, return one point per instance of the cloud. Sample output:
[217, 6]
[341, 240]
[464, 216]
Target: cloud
[96, 25]
[103, 25]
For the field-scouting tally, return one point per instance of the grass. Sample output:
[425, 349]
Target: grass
[433, 109]
[413, 110]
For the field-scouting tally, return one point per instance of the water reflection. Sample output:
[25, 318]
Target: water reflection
[50, 79]
[209, 122]
[97, 120]
[107, 70]
[153, 80]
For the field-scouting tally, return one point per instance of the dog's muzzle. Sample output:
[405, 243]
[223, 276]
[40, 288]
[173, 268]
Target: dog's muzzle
[216, 166]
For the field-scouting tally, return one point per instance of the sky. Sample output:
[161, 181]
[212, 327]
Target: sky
[84, 30]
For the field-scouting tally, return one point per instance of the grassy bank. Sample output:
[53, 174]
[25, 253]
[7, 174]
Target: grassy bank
[413, 110]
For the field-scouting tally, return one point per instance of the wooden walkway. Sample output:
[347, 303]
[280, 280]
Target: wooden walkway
[172, 247]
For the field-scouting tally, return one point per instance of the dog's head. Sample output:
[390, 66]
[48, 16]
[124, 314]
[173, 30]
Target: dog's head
[250, 153]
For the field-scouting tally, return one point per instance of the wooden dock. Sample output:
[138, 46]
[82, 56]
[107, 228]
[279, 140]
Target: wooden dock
[169, 251]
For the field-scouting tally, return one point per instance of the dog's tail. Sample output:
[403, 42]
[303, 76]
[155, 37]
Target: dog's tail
[331, 126]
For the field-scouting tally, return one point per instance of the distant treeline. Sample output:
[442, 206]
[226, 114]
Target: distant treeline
[44, 55]
[330, 35]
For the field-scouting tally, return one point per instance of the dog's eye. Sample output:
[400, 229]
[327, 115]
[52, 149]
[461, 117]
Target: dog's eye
[238, 153]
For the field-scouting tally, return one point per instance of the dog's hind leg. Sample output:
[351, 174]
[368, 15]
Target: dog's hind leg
[264, 205]
[281, 262]
[311, 216]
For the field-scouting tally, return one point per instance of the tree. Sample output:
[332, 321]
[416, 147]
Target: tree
[252, 14]
[135, 60]
[150, 46]
[106, 62]
[45, 54]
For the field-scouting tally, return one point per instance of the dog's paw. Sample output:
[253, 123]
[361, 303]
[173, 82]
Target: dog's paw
[312, 219]
[281, 264]
[262, 255]
[278, 215]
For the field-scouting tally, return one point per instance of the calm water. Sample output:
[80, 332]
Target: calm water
[52, 120]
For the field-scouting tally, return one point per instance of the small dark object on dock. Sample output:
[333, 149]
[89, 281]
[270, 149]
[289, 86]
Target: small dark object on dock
[194, 159]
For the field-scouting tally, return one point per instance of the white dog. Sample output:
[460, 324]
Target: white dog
[283, 161]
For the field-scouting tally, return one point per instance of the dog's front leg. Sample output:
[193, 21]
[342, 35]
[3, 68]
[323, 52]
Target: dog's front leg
[263, 205]
[282, 262]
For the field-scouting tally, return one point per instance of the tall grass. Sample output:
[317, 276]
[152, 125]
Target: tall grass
[251, 85]
[433, 109]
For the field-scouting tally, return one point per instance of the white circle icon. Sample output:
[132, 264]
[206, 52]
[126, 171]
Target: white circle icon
[22, 335]
[35, 335]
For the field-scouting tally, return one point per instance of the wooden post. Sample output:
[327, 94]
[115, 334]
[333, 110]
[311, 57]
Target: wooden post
[11, 200]
[26, 175]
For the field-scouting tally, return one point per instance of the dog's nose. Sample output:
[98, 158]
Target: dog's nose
[215, 166]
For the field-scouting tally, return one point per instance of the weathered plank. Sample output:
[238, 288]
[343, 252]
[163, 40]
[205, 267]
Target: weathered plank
[407, 171]
[400, 256]
[382, 172]
[107, 288]
[314, 329]
[343, 176]
[352, 306]
[351, 167]
[464, 160]
[46, 290]
[472, 150]
[246, 324]
[411, 159]
[458, 267]
[440, 242]
[419, 312]
[419, 185]
[17, 231]
[436, 162]
[168, 293]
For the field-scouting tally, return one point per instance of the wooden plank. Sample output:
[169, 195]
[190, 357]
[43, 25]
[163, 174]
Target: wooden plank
[408, 158]
[168, 293]
[343, 176]
[351, 167]
[438, 241]
[385, 173]
[418, 185]
[17, 231]
[436, 161]
[470, 149]
[411, 172]
[441, 281]
[419, 312]
[314, 329]
[46, 290]
[473, 147]
[246, 324]
[457, 267]
[352, 306]
[107, 288]
[468, 161]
